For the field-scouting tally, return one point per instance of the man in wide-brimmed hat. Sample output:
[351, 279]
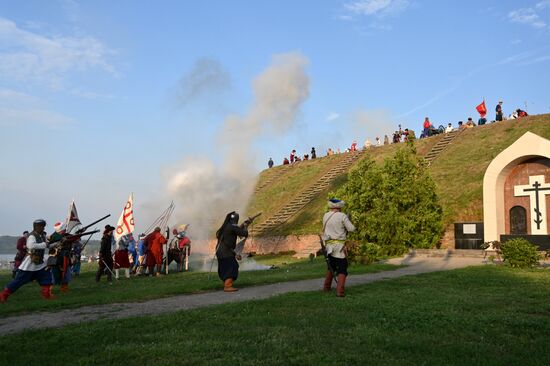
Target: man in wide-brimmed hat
[336, 226]
[106, 254]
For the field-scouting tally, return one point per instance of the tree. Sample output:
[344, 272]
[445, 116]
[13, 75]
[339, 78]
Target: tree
[394, 205]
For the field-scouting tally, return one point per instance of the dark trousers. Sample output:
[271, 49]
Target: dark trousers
[228, 268]
[43, 277]
[338, 265]
[105, 264]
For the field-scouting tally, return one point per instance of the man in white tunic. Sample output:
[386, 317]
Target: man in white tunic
[336, 226]
[33, 266]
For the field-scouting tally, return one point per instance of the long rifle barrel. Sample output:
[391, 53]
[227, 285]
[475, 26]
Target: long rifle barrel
[93, 223]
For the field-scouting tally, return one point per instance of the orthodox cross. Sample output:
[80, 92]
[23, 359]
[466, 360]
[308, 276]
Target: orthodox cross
[535, 189]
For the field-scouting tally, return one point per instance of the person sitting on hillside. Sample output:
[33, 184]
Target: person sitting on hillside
[330, 152]
[378, 142]
[460, 125]
[306, 156]
[386, 140]
[481, 121]
[353, 146]
[368, 144]
[285, 161]
[449, 128]
[297, 159]
[521, 113]
[313, 153]
[470, 123]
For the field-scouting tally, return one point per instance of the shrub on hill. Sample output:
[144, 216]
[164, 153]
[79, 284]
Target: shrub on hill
[394, 205]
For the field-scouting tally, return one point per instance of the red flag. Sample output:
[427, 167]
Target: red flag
[482, 109]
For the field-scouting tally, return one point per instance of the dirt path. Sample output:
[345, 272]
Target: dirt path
[416, 265]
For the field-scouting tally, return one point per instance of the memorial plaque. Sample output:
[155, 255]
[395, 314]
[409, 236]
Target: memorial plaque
[518, 220]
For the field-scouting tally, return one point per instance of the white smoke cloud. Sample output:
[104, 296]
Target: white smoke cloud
[203, 191]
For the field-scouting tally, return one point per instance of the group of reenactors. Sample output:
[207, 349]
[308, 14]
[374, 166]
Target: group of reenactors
[32, 265]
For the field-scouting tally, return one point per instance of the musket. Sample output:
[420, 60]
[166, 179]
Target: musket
[324, 250]
[92, 224]
[74, 236]
[250, 220]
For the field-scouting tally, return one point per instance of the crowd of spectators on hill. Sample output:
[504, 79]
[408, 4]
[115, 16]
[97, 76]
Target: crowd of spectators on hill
[406, 135]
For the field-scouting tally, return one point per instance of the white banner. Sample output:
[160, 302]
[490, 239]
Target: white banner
[72, 218]
[125, 223]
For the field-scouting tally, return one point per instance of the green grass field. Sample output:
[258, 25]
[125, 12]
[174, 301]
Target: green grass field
[485, 315]
[85, 291]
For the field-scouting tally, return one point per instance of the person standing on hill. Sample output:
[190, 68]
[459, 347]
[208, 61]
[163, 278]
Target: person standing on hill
[33, 267]
[498, 110]
[313, 153]
[270, 163]
[336, 226]
[228, 267]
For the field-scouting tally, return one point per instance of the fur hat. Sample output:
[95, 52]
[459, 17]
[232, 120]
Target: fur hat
[59, 227]
[335, 203]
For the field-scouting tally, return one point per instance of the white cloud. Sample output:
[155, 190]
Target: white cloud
[332, 116]
[32, 57]
[543, 4]
[18, 108]
[527, 16]
[379, 8]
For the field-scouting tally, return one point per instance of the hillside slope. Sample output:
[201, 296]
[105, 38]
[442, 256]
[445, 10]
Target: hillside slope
[458, 173]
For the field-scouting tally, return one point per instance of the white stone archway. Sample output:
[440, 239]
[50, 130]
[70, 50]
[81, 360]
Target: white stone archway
[526, 147]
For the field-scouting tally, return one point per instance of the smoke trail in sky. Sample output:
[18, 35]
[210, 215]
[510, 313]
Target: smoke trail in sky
[203, 191]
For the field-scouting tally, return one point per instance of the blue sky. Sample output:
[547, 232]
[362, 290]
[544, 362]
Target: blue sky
[99, 98]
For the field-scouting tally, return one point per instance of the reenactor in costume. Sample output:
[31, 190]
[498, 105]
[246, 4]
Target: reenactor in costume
[336, 225]
[121, 257]
[61, 263]
[21, 252]
[142, 255]
[33, 267]
[228, 267]
[106, 255]
[76, 253]
[155, 241]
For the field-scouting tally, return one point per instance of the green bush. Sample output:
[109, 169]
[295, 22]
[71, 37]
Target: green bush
[364, 253]
[520, 253]
[394, 205]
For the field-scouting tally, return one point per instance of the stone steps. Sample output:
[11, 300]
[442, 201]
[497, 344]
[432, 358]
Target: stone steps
[440, 146]
[308, 194]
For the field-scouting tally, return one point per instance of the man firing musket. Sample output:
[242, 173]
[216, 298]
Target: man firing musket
[336, 225]
[226, 249]
[59, 259]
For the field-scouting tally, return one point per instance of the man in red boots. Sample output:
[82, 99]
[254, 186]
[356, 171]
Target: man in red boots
[33, 266]
[336, 225]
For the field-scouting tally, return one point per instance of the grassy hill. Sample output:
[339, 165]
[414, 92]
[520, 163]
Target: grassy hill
[458, 173]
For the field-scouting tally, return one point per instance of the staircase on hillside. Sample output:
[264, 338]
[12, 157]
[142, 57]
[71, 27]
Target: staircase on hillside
[441, 146]
[280, 170]
[306, 195]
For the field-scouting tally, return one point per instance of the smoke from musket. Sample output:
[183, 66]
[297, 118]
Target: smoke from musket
[205, 192]
[206, 79]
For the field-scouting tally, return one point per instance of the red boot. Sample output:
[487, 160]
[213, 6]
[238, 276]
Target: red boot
[5, 294]
[340, 288]
[228, 286]
[64, 288]
[328, 281]
[47, 292]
